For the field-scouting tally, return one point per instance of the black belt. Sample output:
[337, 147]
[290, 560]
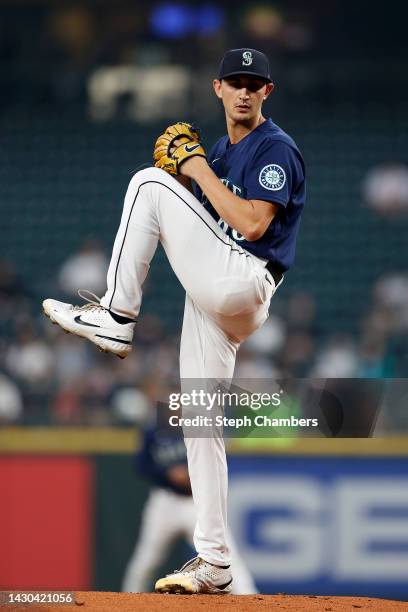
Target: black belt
[276, 274]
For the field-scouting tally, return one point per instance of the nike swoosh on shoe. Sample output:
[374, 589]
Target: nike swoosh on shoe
[78, 319]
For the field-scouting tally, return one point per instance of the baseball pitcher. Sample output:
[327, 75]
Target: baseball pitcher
[229, 243]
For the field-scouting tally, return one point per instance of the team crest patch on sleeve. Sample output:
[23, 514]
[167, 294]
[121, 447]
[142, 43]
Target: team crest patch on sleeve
[272, 177]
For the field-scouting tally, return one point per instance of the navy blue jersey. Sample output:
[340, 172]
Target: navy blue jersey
[160, 451]
[265, 165]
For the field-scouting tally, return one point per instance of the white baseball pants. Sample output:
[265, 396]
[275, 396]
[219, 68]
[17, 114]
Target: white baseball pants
[228, 292]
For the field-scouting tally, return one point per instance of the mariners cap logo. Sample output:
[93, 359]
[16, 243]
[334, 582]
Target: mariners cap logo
[272, 177]
[247, 58]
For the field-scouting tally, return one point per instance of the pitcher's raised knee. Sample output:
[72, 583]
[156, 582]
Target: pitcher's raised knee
[152, 174]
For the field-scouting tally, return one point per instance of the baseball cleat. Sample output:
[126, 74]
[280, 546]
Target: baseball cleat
[94, 322]
[197, 576]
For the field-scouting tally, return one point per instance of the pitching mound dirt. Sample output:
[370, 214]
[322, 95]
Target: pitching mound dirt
[151, 602]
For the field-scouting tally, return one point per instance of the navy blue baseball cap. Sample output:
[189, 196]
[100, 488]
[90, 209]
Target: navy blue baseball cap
[245, 61]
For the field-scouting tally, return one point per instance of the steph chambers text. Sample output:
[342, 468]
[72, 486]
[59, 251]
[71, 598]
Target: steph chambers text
[238, 422]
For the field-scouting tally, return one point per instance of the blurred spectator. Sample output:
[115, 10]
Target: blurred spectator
[163, 360]
[66, 406]
[131, 406]
[391, 294]
[301, 312]
[11, 403]
[70, 359]
[130, 370]
[99, 383]
[297, 354]
[149, 331]
[250, 365]
[372, 356]
[30, 359]
[86, 269]
[385, 189]
[268, 340]
[338, 360]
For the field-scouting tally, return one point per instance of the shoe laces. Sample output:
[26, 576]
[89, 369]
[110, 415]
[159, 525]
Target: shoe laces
[93, 301]
[189, 566]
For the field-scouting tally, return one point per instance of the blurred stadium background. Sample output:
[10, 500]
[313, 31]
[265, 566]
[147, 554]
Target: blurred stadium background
[85, 87]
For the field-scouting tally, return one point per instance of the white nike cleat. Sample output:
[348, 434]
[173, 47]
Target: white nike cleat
[94, 322]
[197, 576]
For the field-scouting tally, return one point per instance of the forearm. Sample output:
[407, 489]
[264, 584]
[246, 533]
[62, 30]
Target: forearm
[239, 213]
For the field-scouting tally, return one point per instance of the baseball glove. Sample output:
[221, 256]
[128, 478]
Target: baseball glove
[181, 128]
[179, 142]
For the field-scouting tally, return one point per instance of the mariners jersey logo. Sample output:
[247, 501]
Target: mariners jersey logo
[247, 58]
[272, 177]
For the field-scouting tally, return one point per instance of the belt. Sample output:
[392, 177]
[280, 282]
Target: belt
[275, 273]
